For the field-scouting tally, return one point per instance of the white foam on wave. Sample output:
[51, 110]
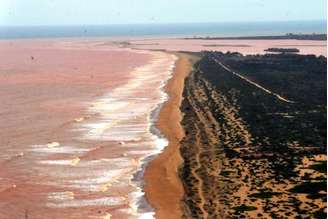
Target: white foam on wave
[57, 150]
[53, 144]
[106, 201]
[56, 162]
[126, 115]
[160, 143]
[101, 182]
[60, 196]
[120, 106]
[100, 173]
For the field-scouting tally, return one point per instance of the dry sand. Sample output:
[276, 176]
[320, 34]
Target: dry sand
[163, 187]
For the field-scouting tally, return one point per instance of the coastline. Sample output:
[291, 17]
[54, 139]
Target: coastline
[230, 160]
[95, 127]
[163, 188]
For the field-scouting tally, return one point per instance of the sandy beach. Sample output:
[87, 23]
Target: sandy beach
[154, 110]
[163, 187]
[77, 121]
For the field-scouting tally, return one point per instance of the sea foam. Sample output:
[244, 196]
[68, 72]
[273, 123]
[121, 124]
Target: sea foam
[123, 122]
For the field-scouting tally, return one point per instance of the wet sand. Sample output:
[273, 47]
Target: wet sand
[163, 187]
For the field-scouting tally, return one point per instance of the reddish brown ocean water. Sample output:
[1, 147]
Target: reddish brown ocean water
[76, 127]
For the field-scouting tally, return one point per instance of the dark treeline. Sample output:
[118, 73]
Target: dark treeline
[301, 78]
[283, 50]
[251, 122]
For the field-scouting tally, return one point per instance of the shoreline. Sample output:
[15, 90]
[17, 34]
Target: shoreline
[232, 167]
[90, 128]
[163, 188]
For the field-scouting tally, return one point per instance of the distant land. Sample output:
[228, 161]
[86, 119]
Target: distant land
[143, 122]
[289, 36]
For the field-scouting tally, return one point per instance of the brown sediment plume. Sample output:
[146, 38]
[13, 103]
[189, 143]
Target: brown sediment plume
[245, 47]
[163, 187]
[55, 161]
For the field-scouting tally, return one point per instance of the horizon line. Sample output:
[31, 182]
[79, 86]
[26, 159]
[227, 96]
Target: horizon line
[162, 23]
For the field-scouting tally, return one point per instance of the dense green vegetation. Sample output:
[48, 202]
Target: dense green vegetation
[320, 215]
[255, 135]
[276, 125]
[243, 208]
[310, 187]
[320, 167]
[283, 50]
[264, 194]
[301, 78]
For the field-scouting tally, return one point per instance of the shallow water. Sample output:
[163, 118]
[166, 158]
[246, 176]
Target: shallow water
[246, 47]
[85, 160]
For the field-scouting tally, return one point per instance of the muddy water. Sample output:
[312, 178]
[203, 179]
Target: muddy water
[76, 119]
[246, 47]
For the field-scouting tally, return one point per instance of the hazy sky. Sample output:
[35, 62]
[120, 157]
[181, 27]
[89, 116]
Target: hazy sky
[74, 12]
